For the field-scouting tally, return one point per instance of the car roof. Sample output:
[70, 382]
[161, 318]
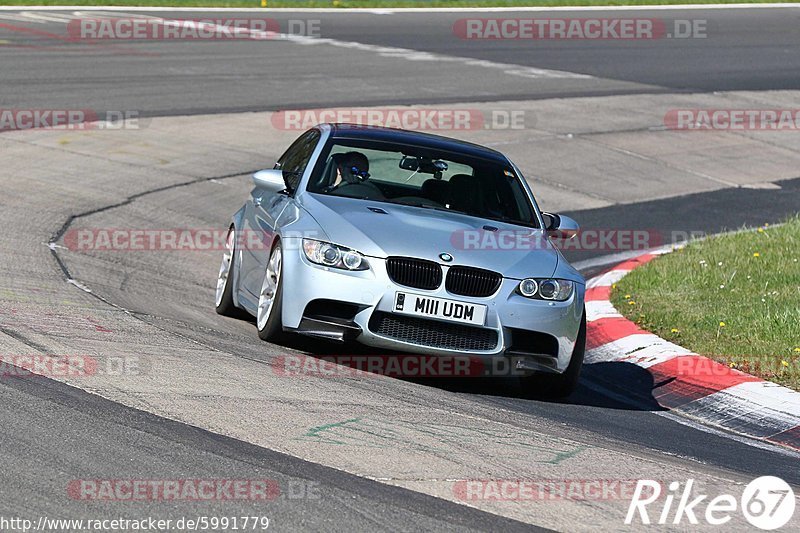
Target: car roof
[393, 135]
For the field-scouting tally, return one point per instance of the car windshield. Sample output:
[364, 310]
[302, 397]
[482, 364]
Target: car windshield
[420, 177]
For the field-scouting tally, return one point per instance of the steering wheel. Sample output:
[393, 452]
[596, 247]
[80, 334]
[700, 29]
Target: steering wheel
[359, 190]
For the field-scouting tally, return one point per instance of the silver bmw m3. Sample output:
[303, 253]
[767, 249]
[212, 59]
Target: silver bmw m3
[407, 241]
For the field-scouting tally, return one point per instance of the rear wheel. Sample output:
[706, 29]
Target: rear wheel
[224, 294]
[559, 385]
[270, 299]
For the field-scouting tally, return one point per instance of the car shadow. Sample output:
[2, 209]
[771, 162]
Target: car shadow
[617, 385]
[610, 385]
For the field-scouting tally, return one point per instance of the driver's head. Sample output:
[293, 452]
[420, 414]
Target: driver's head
[353, 167]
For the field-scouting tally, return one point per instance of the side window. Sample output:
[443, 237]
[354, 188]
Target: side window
[294, 161]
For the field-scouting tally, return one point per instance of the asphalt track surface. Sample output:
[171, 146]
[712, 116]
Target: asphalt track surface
[742, 50]
[53, 433]
[69, 431]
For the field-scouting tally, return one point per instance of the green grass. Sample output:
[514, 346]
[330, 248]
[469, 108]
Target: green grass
[734, 298]
[371, 3]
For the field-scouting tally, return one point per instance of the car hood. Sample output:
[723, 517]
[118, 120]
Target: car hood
[379, 229]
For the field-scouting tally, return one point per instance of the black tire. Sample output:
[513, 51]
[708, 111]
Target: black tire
[273, 328]
[554, 386]
[226, 307]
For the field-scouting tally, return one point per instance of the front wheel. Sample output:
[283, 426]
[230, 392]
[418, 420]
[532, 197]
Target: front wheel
[270, 299]
[564, 384]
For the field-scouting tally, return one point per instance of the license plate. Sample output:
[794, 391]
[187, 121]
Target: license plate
[440, 308]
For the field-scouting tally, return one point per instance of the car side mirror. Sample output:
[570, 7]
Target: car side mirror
[560, 226]
[272, 180]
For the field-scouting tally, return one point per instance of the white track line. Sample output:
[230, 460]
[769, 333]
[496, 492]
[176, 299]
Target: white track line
[408, 54]
[383, 51]
[383, 11]
[416, 55]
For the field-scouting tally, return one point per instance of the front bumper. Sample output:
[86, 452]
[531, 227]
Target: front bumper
[512, 326]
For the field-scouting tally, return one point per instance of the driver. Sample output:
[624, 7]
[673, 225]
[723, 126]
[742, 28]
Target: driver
[351, 168]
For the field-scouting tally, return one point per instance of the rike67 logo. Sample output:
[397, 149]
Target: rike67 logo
[767, 503]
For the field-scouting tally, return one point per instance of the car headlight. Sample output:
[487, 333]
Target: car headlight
[332, 255]
[546, 289]
[528, 287]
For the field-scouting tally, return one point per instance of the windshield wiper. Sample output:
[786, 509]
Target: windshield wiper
[514, 221]
[425, 206]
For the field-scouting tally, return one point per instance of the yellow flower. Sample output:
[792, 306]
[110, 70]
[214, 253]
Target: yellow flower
[784, 363]
[797, 349]
[761, 230]
[627, 296]
[631, 302]
[722, 324]
[756, 254]
[675, 330]
[732, 365]
[613, 285]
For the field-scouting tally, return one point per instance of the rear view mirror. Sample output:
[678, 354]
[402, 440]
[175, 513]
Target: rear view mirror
[423, 165]
[409, 163]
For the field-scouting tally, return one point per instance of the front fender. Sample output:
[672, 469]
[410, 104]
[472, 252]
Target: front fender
[237, 221]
